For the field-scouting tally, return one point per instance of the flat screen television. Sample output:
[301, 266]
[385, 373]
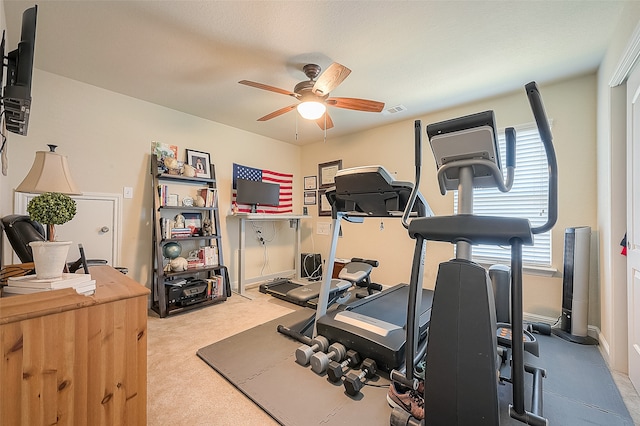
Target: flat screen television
[16, 94]
[257, 193]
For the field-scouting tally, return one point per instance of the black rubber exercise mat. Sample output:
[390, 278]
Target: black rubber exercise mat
[260, 362]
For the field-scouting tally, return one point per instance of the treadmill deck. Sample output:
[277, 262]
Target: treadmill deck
[375, 326]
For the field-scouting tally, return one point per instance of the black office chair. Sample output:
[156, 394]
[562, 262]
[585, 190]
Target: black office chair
[21, 230]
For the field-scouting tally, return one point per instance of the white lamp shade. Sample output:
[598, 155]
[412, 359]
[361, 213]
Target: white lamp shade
[311, 110]
[49, 173]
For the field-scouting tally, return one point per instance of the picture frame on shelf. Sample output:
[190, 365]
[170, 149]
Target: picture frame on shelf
[327, 172]
[324, 207]
[193, 221]
[310, 182]
[172, 200]
[201, 161]
[309, 198]
[164, 151]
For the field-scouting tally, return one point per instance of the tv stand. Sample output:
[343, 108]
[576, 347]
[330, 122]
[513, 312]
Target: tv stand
[294, 220]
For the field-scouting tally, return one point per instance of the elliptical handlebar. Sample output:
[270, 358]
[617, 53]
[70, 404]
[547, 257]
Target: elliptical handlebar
[537, 107]
[510, 151]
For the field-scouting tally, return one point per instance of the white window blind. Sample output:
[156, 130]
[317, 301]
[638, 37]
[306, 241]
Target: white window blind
[527, 199]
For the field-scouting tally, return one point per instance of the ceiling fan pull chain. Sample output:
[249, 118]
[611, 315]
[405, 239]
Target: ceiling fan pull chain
[325, 127]
[296, 127]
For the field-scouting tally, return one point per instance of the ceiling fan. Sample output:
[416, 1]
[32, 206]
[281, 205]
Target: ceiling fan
[314, 95]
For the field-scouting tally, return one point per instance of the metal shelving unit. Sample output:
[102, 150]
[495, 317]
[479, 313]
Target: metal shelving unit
[162, 279]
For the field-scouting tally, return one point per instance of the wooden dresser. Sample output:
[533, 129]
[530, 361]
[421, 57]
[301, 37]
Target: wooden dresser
[69, 359]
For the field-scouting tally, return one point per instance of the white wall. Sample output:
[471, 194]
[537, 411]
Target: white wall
[570, 104]
[107, 138]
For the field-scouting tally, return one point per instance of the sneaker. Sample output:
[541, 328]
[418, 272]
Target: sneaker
[406, 399]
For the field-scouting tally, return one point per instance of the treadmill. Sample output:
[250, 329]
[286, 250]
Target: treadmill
[375, 326]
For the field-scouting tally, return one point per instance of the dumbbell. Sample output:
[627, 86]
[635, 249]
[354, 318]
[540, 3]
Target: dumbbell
[354, 382]
[335, 371]
[305, 352]
[320, 360]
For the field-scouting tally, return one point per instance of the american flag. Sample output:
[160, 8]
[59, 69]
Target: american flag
[285, 180]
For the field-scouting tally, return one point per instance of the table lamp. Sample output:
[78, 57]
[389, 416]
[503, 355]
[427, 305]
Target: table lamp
[50, 177]
[49, 173]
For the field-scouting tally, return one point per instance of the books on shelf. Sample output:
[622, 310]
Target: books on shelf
[163, 193]
[180, 232]
[209, 196]
[208, 255]
[216, 287]
[221, 285]
[194, 263]
[28, 284]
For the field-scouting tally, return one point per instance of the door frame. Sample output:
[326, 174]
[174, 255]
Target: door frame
[617, 351]
[20, 207]
[633, 98]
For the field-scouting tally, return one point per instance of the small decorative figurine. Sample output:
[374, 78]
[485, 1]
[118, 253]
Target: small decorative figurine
[179, 221]
[206, 227]
[178, 264]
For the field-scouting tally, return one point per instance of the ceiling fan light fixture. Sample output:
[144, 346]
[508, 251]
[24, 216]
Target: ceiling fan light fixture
[311, 110]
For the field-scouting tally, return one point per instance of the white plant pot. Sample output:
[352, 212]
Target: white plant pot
[49, 258]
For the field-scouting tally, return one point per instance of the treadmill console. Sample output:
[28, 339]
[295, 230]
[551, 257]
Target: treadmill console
[370, 191]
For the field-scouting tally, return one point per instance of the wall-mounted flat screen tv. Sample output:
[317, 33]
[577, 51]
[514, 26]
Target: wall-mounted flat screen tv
[16, 94]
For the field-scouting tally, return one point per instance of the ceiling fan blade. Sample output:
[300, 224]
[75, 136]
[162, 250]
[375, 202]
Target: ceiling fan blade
[274, 114]
[330, 79]
[267, 87]
[356, 104]
[321, 121]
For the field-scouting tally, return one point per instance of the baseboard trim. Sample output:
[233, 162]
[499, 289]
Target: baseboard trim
[255, 282]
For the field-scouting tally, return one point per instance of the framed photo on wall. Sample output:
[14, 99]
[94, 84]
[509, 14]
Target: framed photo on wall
[324, 207]
[327, 172]
[310, 182]
[309, 198]
[201, 162]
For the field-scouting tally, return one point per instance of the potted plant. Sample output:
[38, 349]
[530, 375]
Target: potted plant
[50, 209]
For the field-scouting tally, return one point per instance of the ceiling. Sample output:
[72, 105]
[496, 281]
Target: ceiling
[422, 55]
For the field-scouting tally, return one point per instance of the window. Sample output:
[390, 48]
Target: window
[527, 199]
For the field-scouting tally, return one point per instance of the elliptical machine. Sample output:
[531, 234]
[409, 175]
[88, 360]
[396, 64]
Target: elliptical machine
[461, 376]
